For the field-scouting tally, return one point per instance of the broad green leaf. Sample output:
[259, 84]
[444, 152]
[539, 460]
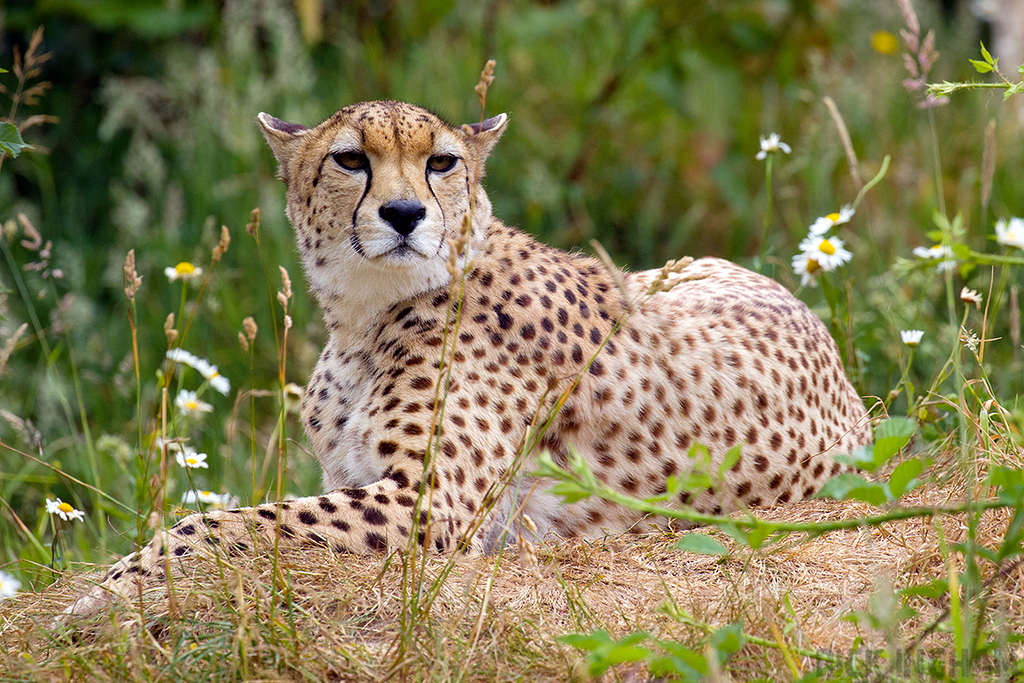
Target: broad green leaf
[728, 639]
[702, 545]
[10, 139]
[588, 642]
[961, 251]
[850, 486]
[734, 532]
[890, 438]
[980, 67]
[756, 536]
[618, 653]
[685, 663]
[1009, 482]
[862, 458]
[902, 478]
[932, 589]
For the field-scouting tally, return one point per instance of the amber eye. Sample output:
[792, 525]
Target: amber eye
[352, 161]
[439, 163]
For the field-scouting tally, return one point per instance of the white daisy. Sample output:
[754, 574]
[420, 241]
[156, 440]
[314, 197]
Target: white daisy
[189, 459]
[807, 268]
[189, 403]
[183, 271]
[772, 144]
[213, 376]
[937, 252]
[218, 501]
[828, 252]
[826, 223]
[183, 356]
[911, 337]
[970, 296]
[205, 368]
[1010, 233]
[64, 510]
[9, 585]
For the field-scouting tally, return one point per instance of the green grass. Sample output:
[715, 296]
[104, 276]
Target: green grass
[634, 124]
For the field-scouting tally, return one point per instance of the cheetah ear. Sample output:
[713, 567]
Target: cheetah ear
[284, 139]
[484, 135]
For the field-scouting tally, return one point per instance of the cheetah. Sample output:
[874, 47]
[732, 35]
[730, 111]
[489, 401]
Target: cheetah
[456, 343]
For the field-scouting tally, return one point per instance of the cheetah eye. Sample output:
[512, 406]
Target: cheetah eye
[352, 161]
[440, 163]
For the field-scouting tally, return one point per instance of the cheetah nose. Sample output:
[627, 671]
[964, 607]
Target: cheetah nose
[403, 215]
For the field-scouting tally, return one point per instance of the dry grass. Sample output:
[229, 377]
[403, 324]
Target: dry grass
[343, 617]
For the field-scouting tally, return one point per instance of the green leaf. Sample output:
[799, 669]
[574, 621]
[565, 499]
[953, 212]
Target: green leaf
[606, 653]
[850, 486]
[932, 589]
[980, 67]
[728, 640]
[986, 56]
[1010, 483]
[702, 545]
[756, 536]
[586, 642]
[732, 456]
[890, 438]
[961, 251]
[862, 458]
[10, 140]
[902, 478]
[570, 491]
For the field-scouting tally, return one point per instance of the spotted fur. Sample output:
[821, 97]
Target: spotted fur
[726, 358]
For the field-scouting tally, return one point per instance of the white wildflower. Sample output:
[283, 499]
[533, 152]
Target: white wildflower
[826, 223]
[183, 356]
[970, 296]
[942, 253]
[772, 144]
[64, 510]
[807, 268]
[828, 252]
[213, 376]
[218, 501]
[189, 403]
[9, 586]
[911, 337]
[1010, 233]
[189, 459]
[184, 271]
[205, 368]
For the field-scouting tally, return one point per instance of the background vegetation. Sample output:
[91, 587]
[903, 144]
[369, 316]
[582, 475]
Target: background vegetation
[633, 122]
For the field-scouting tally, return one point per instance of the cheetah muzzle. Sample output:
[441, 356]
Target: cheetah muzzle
[377, 194]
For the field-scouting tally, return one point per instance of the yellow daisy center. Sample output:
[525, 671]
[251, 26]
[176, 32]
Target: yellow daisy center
[833, 217]
[191, 461]
[884, 43]
[184, 268]
[65, 508]
[812, 266]
[826, 248]
[206, 493]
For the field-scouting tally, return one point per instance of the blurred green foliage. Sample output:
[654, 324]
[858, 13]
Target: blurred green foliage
[633, 122]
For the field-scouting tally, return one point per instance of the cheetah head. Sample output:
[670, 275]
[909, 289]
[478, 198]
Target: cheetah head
[376, 193]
